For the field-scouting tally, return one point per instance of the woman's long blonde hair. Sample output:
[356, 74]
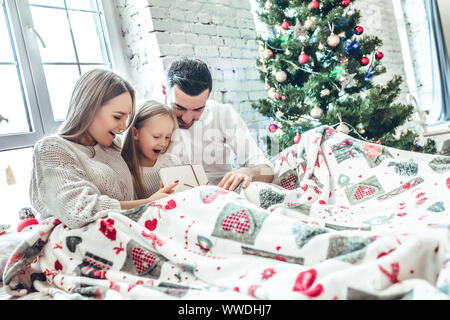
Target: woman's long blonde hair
[146, 110]
[92, 90]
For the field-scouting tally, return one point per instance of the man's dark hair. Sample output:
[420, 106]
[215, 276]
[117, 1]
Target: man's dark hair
[192, 76]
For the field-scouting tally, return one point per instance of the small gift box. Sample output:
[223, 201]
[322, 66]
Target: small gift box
[190, 176]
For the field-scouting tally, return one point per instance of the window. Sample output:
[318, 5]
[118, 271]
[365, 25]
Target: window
[45, 45]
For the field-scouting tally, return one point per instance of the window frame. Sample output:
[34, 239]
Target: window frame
[26, 42]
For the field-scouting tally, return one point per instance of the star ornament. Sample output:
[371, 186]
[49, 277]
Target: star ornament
[299, 30]
[347, 80]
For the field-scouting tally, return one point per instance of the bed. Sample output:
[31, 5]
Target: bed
[343, 219]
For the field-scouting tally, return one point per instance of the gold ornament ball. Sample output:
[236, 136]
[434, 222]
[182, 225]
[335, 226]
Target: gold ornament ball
[281, 76]
[343, 128]
[271, 93]
[309, 24]
[267, 54]
[333, 40]
[268, 5]
[360, 128]
[324, 93]
[287, 52]
[316, 112]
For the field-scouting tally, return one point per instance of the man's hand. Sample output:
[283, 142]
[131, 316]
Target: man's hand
[232, 179]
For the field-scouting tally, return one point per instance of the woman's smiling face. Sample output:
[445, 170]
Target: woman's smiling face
[111, 119]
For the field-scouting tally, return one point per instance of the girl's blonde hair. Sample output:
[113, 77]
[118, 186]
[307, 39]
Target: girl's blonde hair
[146, 110]
[92, 90]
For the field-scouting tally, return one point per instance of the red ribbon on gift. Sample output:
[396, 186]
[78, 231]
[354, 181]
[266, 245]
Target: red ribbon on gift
[195, 176]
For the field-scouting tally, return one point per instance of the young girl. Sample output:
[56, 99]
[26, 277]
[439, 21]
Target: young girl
[145, 145]
[79, 175]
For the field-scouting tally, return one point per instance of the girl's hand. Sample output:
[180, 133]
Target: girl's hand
[164, 191]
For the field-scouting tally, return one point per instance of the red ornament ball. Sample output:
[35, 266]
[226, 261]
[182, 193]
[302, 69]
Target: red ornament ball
[359, 30]
[364, 61]
[303, 58]
[285, 25]
[273, 127]
[345, 3]
[314, 4]
[379, 55]
[297, 138]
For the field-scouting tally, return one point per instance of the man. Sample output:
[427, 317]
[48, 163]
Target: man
[211, 133]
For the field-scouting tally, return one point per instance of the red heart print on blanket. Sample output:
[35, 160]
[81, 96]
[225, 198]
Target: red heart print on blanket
[151, 224]
[237, 221]
[372, 151]
[170, 205]
[143, 261]
[363, 191]
[289, 183]
[107, 228]
[304, 283]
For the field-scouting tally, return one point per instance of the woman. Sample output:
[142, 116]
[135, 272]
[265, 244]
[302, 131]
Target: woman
[79, 175]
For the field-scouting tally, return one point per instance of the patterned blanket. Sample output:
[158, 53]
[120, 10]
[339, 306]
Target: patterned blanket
[344, 219]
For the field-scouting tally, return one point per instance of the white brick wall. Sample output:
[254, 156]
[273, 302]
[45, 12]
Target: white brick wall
[222, 33]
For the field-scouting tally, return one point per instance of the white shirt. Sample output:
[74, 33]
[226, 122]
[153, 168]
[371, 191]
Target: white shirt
[150, 175]
[75, 185]
[213, 141]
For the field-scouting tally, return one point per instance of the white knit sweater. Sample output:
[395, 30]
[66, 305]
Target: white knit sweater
[150, 175]
[76, 183]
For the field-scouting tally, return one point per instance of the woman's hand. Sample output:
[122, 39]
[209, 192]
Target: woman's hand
[164, 191]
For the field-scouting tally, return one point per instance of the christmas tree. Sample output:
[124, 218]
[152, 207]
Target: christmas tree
[318, 66]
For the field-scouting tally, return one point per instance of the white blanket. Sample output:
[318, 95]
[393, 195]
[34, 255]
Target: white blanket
[345, 219]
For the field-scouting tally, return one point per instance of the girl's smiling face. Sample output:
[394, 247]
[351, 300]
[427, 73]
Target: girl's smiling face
[153, 138]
